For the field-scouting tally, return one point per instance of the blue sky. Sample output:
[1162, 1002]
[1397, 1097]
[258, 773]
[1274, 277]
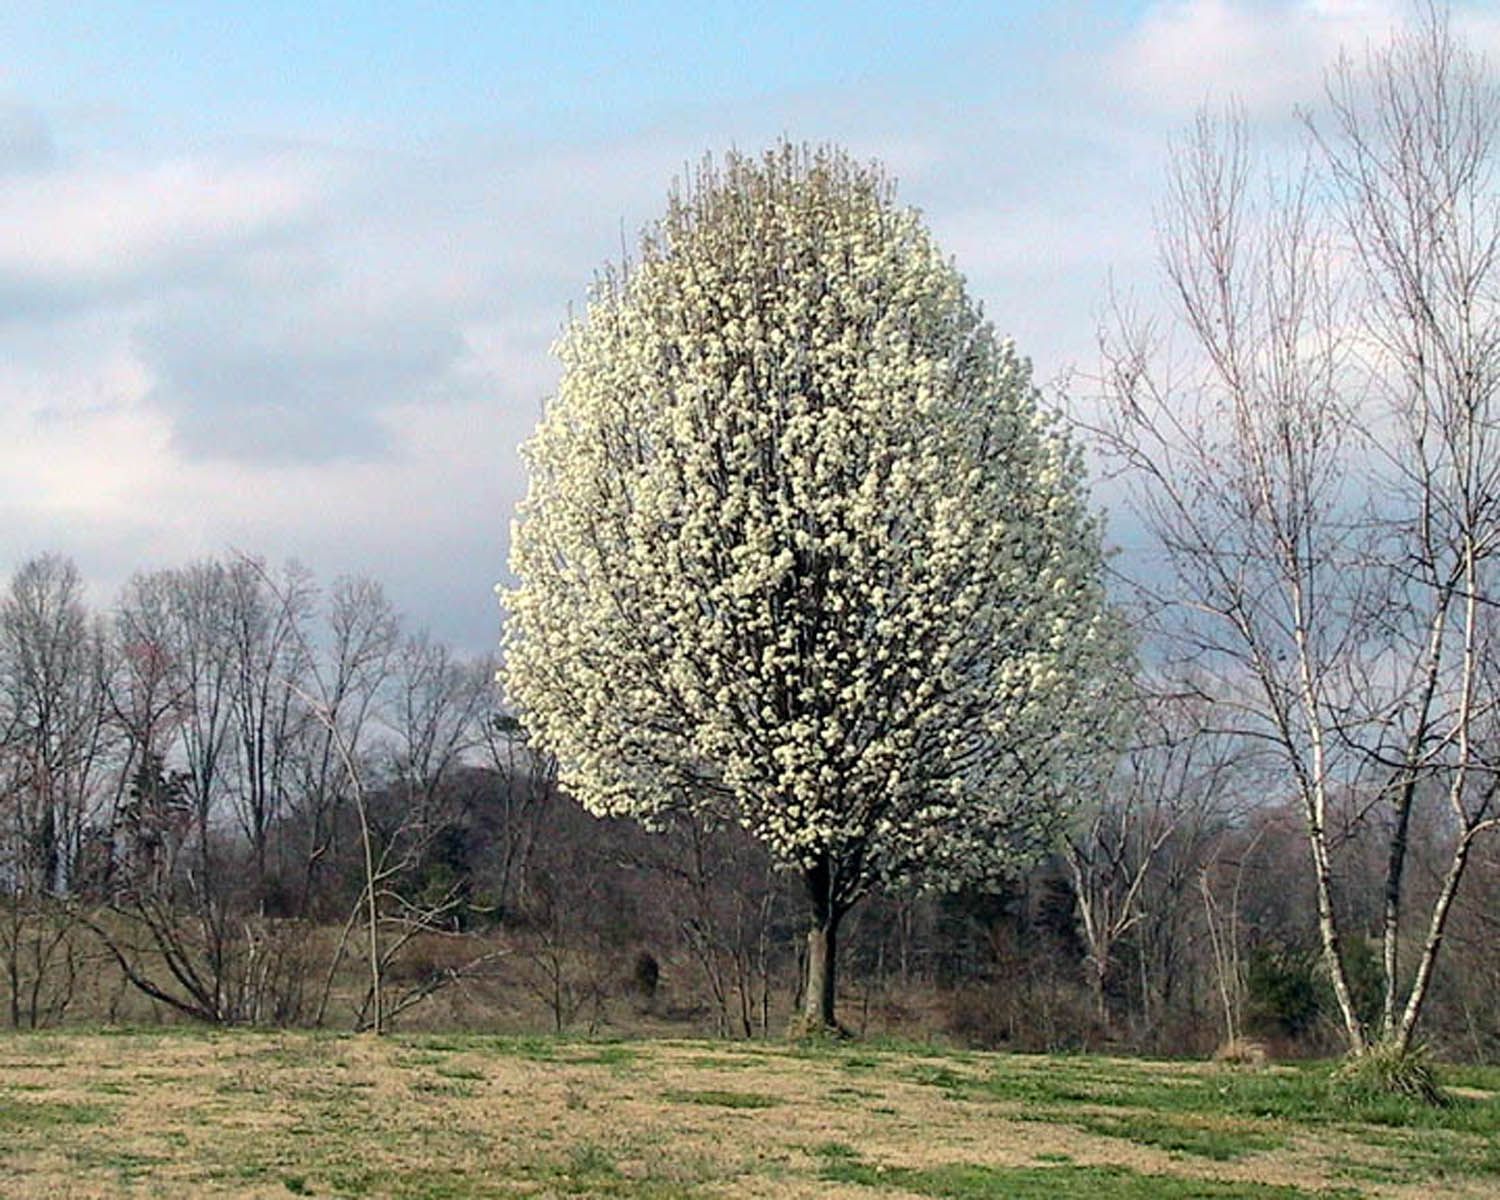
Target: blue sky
[549, 69]
[283, 277]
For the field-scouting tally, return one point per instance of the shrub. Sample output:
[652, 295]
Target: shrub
[1385, 1070]
[1281, 985]
[1242, 1052]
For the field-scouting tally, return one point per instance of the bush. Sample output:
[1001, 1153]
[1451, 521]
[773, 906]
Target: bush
[1385, 1070]
[1242, 1052]
[1281, 986]
[647, 975]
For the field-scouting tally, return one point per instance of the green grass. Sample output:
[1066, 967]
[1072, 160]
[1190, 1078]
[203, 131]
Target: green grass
[20, 1115]
[612, 1054]
[721, 1098]
[1219, 1142]
[460, 1073]
[592, 1170]
[535, 1049]
[1226, 1114]
[725, 1062]
[1065, 1182]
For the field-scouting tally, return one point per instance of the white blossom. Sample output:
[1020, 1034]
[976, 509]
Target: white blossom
[800, 544]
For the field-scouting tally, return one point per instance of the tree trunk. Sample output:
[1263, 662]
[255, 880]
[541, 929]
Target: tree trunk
[822, 961]
[1435, 930]
[1097, 963]
[1333, 954]
[822, 947]
[1391, 924]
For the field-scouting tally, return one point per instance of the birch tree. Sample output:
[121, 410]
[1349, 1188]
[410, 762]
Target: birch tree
[1411, 151]
[802, 551]
[1325, 476]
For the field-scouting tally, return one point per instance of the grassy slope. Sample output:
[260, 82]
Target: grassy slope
[188, 1113]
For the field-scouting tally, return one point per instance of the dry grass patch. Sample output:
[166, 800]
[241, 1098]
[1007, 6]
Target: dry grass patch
[257, 1114]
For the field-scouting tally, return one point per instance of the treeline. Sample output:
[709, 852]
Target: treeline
[223, 752]
[237, 796]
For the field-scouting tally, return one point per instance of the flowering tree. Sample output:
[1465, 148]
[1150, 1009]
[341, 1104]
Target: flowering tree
[800, 550]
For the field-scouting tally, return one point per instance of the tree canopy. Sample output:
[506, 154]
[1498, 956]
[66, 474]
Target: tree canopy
[802, 550]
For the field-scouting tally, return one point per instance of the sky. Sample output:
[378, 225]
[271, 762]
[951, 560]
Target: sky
[282, 278]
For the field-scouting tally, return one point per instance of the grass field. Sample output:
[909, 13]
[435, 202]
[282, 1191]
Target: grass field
[204, 1113]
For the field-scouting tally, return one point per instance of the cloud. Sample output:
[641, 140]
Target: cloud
[25, 140]
[325, 354]
[279, 378]
[1268, 56]
[331, 351]
[94, 231]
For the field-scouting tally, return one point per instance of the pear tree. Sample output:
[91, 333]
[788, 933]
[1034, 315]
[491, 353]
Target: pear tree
[803, 551]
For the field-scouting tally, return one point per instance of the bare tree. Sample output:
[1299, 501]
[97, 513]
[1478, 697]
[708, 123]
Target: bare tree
[436, 708]
[1325, 480]
[570, 941]
[429, 707]
[340, 696]
[1240, 471]
[362, 635]
[526, 781]
[51, 685]
[207, 716]
[146, 707]
[53, 738]
[1223, 923]
[1176, 787]
[186, 617]
[269, 658]
[722, 893]
[1411, 150]
[437, 713]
